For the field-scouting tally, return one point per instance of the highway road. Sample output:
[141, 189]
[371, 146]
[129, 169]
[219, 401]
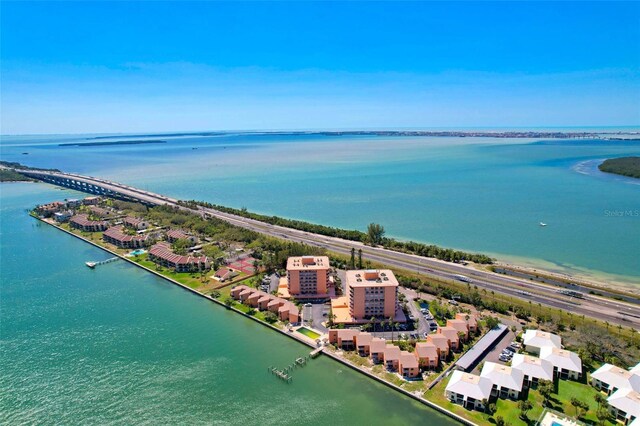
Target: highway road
[615, 312]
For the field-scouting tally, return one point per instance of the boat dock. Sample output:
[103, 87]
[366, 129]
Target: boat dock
[285, 374]
[314, 353]
[101, 262]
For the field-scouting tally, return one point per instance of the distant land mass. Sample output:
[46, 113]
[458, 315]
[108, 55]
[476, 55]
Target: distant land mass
[131, 142]
[625, 166]
[617, 135]
[174, 135]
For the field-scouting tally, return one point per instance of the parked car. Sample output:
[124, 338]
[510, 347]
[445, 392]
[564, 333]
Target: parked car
[504, 358]
[509, 349]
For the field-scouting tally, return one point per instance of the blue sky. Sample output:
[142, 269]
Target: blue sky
[75, 67]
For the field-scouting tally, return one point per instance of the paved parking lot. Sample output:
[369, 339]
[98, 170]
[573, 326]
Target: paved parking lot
[495, 352]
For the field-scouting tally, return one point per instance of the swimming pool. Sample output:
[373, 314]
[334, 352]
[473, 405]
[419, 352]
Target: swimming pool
[309, 333]
[137, 252]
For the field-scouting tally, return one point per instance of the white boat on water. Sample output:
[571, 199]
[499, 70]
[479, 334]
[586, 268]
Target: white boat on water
[90, 264]
[543, 224]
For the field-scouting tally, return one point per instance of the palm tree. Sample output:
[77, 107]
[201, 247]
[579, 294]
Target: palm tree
[372, 321]
[332, 318]
[600, 400]
[524, 407]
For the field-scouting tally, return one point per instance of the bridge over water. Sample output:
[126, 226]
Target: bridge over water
[96, 186]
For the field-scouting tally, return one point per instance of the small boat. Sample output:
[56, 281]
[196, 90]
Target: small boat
[90, 264]
[543, 224]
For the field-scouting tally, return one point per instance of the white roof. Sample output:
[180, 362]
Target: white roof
[563, 359]
[626, 400]
[617, 377]
[470, 385]
[636, 369]
[532, 366]
[541, 339]
[503, 376]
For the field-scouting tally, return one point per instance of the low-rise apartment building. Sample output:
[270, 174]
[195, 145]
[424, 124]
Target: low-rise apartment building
[469, 390]
[535, 340]
[506, 381]
[533, 368]
[135, 223]
[117, 236]
[82, 222]
[610, 378]
[427, 355]
[408, 366]
[452, 336]
[566, 364]
[161, 254]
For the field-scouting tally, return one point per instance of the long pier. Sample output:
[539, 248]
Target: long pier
[612, 311]
[92, 265]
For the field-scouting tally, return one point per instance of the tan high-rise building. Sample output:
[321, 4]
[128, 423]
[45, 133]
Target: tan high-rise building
[308, 276]
[371, 293]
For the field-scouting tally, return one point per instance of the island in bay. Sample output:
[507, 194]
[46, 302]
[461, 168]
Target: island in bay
[625, 166]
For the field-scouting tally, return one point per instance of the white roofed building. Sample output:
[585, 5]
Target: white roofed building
[566, 364]
[610, 378]
[535, 340]
[624, 405]
[469, 390]
[507, 381]
[534, 369]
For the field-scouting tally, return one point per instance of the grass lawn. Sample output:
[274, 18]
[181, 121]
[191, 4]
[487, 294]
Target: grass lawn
[510, 412]
[568, 389]
[182, 277]
[356, 359]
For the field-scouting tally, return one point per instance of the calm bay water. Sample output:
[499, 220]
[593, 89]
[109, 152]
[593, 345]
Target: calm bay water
[486, 195]
[117, 345]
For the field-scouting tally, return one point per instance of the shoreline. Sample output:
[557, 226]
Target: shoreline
[593, 282]
[335, 357]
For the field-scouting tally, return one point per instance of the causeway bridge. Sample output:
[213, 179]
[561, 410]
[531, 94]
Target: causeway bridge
[620, 312]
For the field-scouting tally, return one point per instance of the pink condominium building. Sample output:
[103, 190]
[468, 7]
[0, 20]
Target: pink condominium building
[308, 276]
[372, 293]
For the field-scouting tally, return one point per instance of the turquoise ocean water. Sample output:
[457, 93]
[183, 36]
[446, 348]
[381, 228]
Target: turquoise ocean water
[478, 194]
[119, 346]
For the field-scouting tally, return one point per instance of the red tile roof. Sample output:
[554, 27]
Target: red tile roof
[82, 220]
[176, 234]
[163, 251]
[117, 233]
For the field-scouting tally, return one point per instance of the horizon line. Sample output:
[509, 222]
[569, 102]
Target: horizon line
[349, 129]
